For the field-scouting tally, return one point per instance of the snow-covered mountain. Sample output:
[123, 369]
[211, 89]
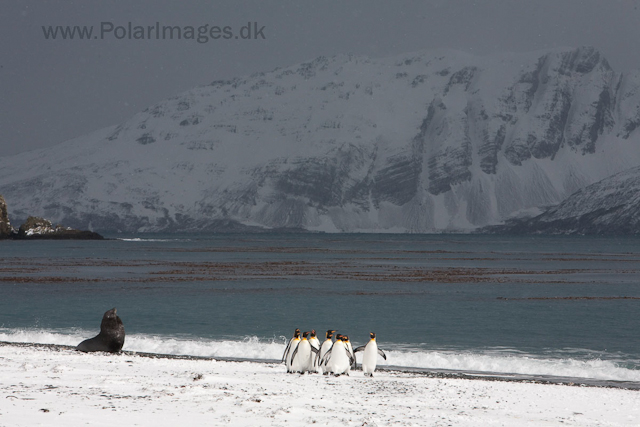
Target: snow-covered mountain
[610, 206]
[429, 141]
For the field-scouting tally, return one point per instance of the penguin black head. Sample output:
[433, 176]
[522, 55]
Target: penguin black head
[305, 335]
[330, 333]
[339, 337]
[372, 335]
[296, 334]
[313, 333]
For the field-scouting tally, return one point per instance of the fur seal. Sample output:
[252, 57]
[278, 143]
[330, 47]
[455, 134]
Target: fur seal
[110, 338]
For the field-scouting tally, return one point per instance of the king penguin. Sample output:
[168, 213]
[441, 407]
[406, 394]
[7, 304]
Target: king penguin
[288, 352]
[370, 357]
[350, 350]
[326, 345]
[303, 356]
[313, 340]
[327, 354]
[338, 359]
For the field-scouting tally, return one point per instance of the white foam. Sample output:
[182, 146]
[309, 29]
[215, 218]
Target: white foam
[249, 348]
[269, 349]
[139, 239]
[40, 336]
[515, 364]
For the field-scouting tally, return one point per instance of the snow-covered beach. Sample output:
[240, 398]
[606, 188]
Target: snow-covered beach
[50, 386]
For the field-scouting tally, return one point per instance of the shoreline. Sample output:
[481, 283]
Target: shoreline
[58, 386]
[426, 372]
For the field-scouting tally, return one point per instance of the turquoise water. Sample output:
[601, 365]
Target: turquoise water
[534, 305]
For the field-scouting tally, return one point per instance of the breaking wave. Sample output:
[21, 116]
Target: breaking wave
[139, 239]
[561, 364]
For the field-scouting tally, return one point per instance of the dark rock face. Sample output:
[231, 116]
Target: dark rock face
[5, 226]
[444, 136]
[561, 106]
[398, 180]
[464, 77]
[36, 225]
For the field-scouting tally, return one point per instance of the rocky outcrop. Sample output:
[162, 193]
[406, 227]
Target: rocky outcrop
[39, 228]
[6, 230]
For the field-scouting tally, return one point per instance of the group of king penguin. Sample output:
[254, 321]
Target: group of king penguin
[337, 357]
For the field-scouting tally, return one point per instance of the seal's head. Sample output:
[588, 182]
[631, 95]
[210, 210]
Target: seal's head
[113, 330]
[110, 321]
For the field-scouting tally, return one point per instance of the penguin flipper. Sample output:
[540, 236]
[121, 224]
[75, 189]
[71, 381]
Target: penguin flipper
[315, 350]
[381, 353]
[361, 348]
[352, 359]
[286, 351]
[326, 357]
[293, 356]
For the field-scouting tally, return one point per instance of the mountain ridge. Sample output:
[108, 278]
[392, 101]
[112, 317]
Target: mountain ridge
[610, 206]
[421, 142]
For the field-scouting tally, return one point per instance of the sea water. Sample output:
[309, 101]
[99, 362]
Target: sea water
[564, 306]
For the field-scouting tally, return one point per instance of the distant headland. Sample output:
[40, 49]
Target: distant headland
[40, 228]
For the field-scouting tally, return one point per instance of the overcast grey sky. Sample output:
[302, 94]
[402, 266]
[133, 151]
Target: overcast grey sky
[54, 90]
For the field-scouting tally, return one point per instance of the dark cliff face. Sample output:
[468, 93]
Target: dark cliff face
[444, 136]
[567, 98]
[5, 225]
[628, 100]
